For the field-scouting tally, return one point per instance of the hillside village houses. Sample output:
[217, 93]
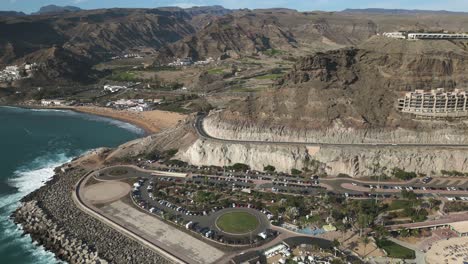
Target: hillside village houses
[188, 61]
[15, 72]
[127, 56]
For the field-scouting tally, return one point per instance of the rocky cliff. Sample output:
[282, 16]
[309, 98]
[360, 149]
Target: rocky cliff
[350, 95]
[354, 161]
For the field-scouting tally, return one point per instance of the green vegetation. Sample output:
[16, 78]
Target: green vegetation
[177, 163]
[124, 76]
[394, 250]
[269, 168]
[456, 206]
[216, 71]
[403, 175]
[237, 222]
[399, 204]
[118, 171]
[239, 167]
[410, 195]
[343, 175]
[272, 76]
[296, 172]
[453, 173]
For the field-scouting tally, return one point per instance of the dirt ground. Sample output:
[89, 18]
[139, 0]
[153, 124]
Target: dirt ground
[453, 250]
[106, 192]
[355, 244]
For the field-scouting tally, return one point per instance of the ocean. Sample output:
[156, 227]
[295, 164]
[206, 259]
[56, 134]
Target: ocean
[32, 143]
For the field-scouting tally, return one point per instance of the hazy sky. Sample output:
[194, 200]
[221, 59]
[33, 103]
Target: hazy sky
[303, 5]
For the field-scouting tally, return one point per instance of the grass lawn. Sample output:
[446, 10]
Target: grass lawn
[118, 171]
[394, 250]
[124, 76]
[237, 222]
[399, 204]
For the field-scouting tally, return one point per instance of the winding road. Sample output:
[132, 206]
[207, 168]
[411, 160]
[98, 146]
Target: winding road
[198, 125]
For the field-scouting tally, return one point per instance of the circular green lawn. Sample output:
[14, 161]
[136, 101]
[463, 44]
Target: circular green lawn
[237, 222]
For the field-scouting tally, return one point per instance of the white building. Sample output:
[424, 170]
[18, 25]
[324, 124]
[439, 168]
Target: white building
[418, 35]
[278, 249]
[182, 62]
[113, 88]
[435, 103]
[396, 35]
[46, 102]
[205, 62]
[436, 36]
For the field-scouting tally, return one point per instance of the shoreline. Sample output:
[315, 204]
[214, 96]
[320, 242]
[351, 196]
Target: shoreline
[150, 122]
[52, 219]
[54, 222]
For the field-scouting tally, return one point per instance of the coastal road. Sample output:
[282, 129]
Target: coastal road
[198, 125]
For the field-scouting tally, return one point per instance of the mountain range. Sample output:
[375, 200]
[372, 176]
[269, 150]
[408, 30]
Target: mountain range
[69, 41]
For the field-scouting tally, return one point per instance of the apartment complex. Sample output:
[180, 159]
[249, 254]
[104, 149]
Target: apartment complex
[415, 36]
[435, 103]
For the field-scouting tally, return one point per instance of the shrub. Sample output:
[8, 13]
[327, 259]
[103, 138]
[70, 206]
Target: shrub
[239, 167]
[403, 175]
[269, 168]
[296, 172]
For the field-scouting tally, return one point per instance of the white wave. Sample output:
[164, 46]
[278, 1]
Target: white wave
[28, 178]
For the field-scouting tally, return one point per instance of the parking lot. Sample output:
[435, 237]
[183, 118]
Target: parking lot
[179, 243]
[200, 222]
[427, 186]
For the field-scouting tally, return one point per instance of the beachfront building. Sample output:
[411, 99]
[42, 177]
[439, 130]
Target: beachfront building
[435, 103]
[46, 102]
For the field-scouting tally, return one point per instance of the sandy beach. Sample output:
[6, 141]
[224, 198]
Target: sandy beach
[151, 121]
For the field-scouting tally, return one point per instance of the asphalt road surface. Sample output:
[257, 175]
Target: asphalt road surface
[203, 134]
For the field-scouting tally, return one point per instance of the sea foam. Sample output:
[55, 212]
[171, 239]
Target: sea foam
[27, 179]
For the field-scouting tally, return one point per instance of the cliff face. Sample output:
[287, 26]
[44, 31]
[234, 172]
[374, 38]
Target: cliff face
[435, 132]
[354, 161]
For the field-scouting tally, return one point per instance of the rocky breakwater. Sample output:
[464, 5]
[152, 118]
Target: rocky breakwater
[52, 218]
[36, 223]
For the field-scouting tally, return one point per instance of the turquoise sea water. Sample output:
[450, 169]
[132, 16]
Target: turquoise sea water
[32, 143]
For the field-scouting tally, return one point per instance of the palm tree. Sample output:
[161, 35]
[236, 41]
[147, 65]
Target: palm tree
[363, 222]
[366, 241]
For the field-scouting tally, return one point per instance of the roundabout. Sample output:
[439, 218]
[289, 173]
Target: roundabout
[237, 222]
